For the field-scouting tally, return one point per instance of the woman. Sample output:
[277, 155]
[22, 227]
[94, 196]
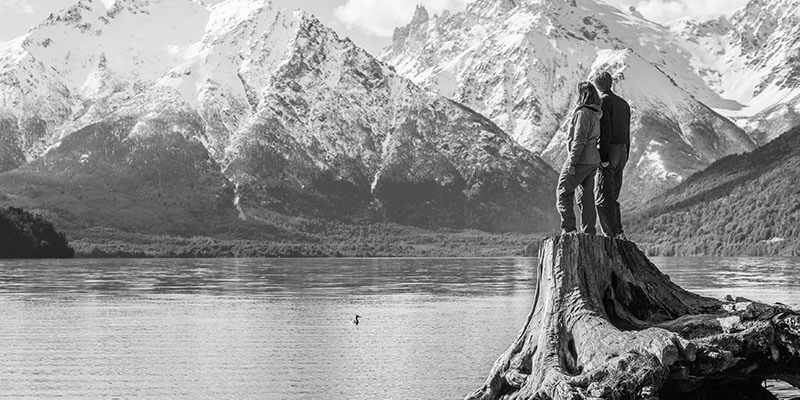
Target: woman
[583, 159]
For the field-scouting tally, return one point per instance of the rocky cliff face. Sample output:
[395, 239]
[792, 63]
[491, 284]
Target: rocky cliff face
[243, 109]
[518, 62]
[750, 57]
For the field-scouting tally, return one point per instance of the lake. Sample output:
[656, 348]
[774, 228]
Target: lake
[281, 328]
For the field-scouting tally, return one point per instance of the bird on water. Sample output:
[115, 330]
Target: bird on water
[355, 320]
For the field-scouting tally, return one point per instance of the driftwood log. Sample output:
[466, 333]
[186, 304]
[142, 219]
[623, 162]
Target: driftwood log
[607, 324]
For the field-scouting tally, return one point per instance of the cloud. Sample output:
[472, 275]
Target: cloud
[20, 6]
[668, 10]
[380, 17]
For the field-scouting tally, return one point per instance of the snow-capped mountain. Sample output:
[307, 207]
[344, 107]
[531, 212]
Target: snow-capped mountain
[85, 61]
[519, 61]
[243, 103]
[751, 57]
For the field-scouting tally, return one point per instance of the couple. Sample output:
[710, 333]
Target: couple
[599, 136]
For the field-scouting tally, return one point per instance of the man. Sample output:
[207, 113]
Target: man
[615, 146]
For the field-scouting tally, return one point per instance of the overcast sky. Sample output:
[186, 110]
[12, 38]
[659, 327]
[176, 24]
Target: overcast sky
[368, 22]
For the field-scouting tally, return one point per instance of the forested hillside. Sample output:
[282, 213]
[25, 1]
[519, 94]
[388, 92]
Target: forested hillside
[745, 204]
[24, 235]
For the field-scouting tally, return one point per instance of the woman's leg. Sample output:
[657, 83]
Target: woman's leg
[586, 198]
[565, 195]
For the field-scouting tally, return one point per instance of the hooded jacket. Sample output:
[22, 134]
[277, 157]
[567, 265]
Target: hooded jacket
[584, 132]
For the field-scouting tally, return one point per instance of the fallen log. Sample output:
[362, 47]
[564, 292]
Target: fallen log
[606, 323]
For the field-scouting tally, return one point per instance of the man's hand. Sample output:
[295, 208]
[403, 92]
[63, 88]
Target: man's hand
[571, 170]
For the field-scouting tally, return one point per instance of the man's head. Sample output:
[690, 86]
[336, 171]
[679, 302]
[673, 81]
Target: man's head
[603, 81]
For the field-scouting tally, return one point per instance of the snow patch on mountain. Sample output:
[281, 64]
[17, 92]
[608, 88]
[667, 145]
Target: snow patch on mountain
[750, 57]
[296, 119]
[519, 62]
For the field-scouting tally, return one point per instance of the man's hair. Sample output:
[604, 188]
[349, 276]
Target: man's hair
[603, 81]
[587, 95]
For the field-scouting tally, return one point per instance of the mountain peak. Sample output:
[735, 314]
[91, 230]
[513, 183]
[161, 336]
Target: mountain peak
[421, 17]
[518, 61]
[749, 57]
[241, 94]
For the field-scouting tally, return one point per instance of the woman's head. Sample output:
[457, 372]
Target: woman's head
[587, 95]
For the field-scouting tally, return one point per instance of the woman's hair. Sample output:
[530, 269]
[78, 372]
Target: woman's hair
[587, 95]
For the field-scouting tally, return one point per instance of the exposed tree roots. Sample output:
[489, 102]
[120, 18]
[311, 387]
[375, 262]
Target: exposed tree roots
[606, 323]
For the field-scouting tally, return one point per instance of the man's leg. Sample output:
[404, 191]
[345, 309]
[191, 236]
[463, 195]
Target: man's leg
[617, 212]
[619, 158]
[586, 201]
[565, 195]
[604, 201]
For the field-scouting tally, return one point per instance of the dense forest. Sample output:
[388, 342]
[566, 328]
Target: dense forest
[25, 235]
[746, 204]
[379, 240]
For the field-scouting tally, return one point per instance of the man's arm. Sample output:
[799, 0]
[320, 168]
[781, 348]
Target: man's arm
[606, 127]
[627, 122]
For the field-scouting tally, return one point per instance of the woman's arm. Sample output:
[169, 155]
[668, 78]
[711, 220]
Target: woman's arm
[581, 136]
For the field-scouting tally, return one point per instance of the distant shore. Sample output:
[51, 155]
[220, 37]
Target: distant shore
[382, 240]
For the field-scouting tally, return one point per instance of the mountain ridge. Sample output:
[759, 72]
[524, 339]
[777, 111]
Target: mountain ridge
[546, 48]
[744, 204]
[266, 116]
[749, 56]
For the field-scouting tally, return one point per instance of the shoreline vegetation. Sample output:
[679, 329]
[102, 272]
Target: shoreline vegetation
[384, 240]
[26, 235]
[29, 235]
[461, 244]
[388, 240]
[380, 240]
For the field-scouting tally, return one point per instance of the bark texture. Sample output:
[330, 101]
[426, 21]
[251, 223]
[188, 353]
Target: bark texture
[606, 323]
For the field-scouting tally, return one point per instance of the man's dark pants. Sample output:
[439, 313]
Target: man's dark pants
[606, 193]
[582, 182]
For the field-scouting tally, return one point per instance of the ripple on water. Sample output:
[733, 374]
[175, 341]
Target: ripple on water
[212, 329]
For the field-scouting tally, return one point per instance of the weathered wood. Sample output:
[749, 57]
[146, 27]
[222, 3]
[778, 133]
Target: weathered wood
[606, 323]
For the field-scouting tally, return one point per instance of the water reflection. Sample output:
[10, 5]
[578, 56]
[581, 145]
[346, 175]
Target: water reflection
[278, 329]
[326, 277]
[281, 329]
[769, 280]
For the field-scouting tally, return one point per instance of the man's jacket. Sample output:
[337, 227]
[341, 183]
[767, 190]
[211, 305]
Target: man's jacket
[615, 125]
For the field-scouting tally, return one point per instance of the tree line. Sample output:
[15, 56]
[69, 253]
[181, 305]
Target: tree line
[26, 235]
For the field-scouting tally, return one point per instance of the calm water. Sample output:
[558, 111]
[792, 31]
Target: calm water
[280, 329]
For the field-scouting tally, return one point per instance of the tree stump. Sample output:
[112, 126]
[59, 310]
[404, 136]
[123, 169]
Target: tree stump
[607, 324]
